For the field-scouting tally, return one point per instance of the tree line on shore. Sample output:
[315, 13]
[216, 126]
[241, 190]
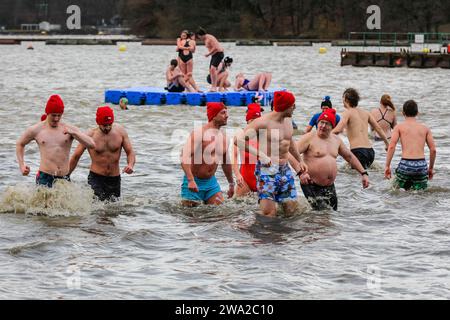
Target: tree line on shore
[242, 18]
[283, 18]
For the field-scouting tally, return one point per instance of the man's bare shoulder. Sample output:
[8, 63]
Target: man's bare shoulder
[334, 138]
[260, 123]
[120, 128]
[91, 131]
[197, 132]
[35, 128]
[32, 131]
[306, 138]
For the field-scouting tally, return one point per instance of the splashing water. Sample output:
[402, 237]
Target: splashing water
[64, 199]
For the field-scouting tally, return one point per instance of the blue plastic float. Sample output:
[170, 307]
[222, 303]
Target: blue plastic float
[158, 96]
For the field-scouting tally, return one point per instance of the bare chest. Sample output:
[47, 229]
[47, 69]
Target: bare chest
[213, 145]
[320, 148]
[109, 144]
[53, 138]
[278, 134]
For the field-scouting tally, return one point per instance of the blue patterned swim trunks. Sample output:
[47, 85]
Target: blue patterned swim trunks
[275, 183]
[412, 174]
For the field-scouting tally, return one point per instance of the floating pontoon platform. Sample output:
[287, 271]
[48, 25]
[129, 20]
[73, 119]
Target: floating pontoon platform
[159, 96]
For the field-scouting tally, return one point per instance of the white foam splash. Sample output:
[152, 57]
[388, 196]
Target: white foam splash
[64, 199]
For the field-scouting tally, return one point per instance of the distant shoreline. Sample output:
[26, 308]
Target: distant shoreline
[102, 39]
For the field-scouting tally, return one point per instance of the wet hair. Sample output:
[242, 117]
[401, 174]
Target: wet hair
[185, 31]
[352, 97]
[228, 60]
[410, 108]
[387, 102]
[201, 31]
[174, 62]
[326, 102]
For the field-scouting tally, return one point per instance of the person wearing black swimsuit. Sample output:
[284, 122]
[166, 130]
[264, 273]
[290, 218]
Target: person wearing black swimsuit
[385, 116]
[185, 48]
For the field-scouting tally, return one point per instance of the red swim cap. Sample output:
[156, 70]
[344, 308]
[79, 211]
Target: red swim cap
[283, 100]
[54, 105]
[253, 111]
[213, 108]
[44, 117]
[328, 115]
[105, 116]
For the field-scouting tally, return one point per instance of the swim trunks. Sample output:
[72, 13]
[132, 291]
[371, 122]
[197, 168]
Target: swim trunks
[365, 155]
[320, 197]
[248, 167]
[206, 189]
[45, 179]
[412, 174]
[105, 187]
[216, 59]
[275, 183]
[173, 87]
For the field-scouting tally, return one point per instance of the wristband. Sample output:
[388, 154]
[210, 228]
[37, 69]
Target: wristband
[365, 173]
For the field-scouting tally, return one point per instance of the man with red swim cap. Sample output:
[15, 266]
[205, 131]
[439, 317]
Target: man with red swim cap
[206, 148]
[110, 138]
[320, 150]
[273, 131]
[245, 174]
[54, 139]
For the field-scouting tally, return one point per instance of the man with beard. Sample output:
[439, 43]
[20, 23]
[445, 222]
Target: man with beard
[54, 139]
[205, 149]
[110, 138]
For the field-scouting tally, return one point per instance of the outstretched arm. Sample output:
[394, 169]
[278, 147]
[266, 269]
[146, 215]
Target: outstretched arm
[131, 155]
[82, 138]
[342, 124]
[25, 139]
[187, 158]
[79, 150]
[234, 162]
[375, 126]
[227, 169]
[251, 133]
[348, 156]
[302, 146]
[179, 46]
[390, 153]
[433, 152]
[302, 167]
